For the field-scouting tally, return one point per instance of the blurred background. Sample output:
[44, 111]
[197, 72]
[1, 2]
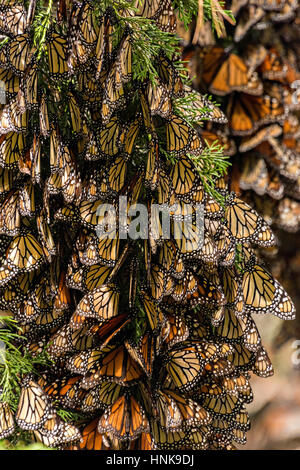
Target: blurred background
[275, 411]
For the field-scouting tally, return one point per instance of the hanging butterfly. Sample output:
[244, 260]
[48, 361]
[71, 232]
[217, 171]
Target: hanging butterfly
[125, 419]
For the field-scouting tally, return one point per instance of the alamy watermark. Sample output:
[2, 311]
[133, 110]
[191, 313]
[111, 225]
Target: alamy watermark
[2, 92]
[137, 221]
[295, 357]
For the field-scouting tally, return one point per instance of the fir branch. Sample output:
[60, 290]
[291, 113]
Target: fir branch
[69, 416]
[186, 10]
[147, 42]
[14, 363]
[3, 41]
[211, 164]
[185, 108]
[41, 24]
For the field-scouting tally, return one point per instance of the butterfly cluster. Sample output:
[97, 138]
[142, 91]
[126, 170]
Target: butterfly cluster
[152, 340]
[257, 79]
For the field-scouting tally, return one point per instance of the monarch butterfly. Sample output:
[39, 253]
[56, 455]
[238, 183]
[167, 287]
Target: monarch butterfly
[89, 213]
[232, 327]
[160, 283]
[176, 332]
[91, 438]
[166, 440]
[182, 138]
[101, 304]
[46, 236]
[78, 362]
[116, 366]
[246, 225]
[225, 73]
[262, 365]
[169, 76]
[104, 43]
[286, 13]
[219, 367]
[159, 99]
[217, 403]
[13, 19]
[149, 9]
[119, 74]
[160, 12]
[88, 278]
[144, 442]
[34, 407]
[238, 386]
[88, 360]
[12, 83]
[154, 313]
[10, 219]
[38, 301]
[248, 113]
[19, 53]
[65, 340]
[209, 251]
[184, 179]
[231, 285]
[108, 138]
[185, 367]
[152, 169]
[88, 28]
[128, 137]
[254, 55]
[113, 96]
[188, 234]
[241, 357]
[13, 119]
[104, 250]
[197, 438]
[255, 176]
[166, 411]
[27, 200]
[252, 339]
[163, 188]
[144, 352]
[6, 180]
[66, 390]
[114, 180]
[75, 114]
[125, 419]
[282, 159]
[55, 432]
[106, 332]
[29, 86]
[57, 54]
[170, 260]
[191, 412]
[44, 117]
[7, 424]
[247, 19]
[25, 252]
[101, 396]
[263, 294]
[273, 67]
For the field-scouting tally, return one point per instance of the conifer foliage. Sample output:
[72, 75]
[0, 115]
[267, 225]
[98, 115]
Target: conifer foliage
[116, 342]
